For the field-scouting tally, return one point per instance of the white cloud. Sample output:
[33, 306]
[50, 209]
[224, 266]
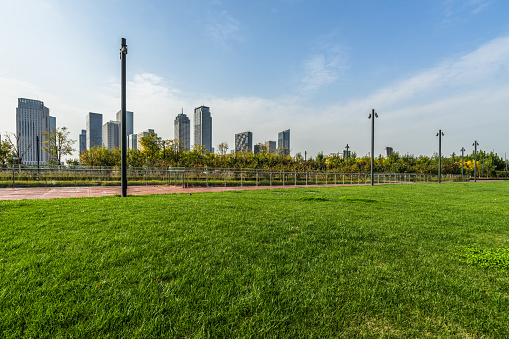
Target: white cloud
[322, 69]
[223, 30]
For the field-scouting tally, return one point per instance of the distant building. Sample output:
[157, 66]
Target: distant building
[244, 142]
[32, 120]
[270, 146]
[82, 141]
[346, 153]
[52, 124]
[111, 134]
[182, 130]
[203, 127]
[129, 121]
[388, 151]
[94, 130]
[140, 136]
[283, 142]
[132, 141]
[258, 148]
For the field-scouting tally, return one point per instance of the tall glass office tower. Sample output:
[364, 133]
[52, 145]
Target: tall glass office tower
[32, 120]
[283, 142]
[182, 130]
[94, 130]
[203, 127]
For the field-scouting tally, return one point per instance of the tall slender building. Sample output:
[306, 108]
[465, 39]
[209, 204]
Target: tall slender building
[203, 127]
[111, 134]
[182, 130]
[32, 120]
[94, 130]
[283, 142]
[82, 141]
[129, 121]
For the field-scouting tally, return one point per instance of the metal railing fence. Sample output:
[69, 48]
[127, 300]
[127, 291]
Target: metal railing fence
[191, 177]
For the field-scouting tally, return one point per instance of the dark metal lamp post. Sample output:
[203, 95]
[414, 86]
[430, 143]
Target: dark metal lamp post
[439, 135]
[462, 155]
[123, 165]
[372, 116]
[347, 148]
[475, 144]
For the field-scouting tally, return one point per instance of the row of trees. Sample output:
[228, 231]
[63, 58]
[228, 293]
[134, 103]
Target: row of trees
[156, 152]
[170, 153]
[57, 143]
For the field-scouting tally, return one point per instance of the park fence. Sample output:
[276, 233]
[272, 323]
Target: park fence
[195, 177]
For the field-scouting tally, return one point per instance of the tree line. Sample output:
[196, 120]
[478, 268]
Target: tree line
[156, 152]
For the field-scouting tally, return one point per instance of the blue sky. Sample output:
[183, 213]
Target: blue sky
[317, 67]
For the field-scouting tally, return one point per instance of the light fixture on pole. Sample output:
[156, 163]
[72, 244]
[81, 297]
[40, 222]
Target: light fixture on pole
[439, 135]
[347, 148]
[475, 144]
[462, 155]
[372, 116]
[123, 146]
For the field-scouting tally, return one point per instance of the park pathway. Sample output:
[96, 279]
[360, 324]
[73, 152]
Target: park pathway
[101, 191]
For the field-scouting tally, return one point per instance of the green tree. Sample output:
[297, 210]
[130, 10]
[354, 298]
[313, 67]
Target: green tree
[151, 146]
[5, 151]
[58, 144]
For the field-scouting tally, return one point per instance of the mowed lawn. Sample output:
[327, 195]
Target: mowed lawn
[384, 261]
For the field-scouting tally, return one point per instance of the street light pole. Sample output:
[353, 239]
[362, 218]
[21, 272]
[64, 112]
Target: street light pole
[453, 154]
[123, 57]
[439, 134]
[462, 154]
[475, 144]
[372, 116]
[347, 148]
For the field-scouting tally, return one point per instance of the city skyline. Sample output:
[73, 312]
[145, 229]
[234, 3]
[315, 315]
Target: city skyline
[422, 66]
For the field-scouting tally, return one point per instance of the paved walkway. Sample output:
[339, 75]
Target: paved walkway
[101, 191]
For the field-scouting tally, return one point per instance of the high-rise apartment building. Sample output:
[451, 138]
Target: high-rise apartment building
[203, 127]
[82, 141]
[270, 146]
[140, 136]
[283, 142]
[244, 142]
[32, 120]
[129, 121]
[111, 134]
[182, 130]
[94, 130]
[132, 141]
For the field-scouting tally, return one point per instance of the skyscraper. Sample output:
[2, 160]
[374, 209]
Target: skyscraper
[83, 141]
[129, 121]
[182, 130]
[203, 127]
[132, 141]
[111, 134]
[141, 135]
[32, 120]
[94, 130]
[244, 142]
[283, 142]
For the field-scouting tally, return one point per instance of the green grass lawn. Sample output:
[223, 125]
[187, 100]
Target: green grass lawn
[384, 261]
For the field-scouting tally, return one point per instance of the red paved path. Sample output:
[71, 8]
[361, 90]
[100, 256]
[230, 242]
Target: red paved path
[100, 191]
